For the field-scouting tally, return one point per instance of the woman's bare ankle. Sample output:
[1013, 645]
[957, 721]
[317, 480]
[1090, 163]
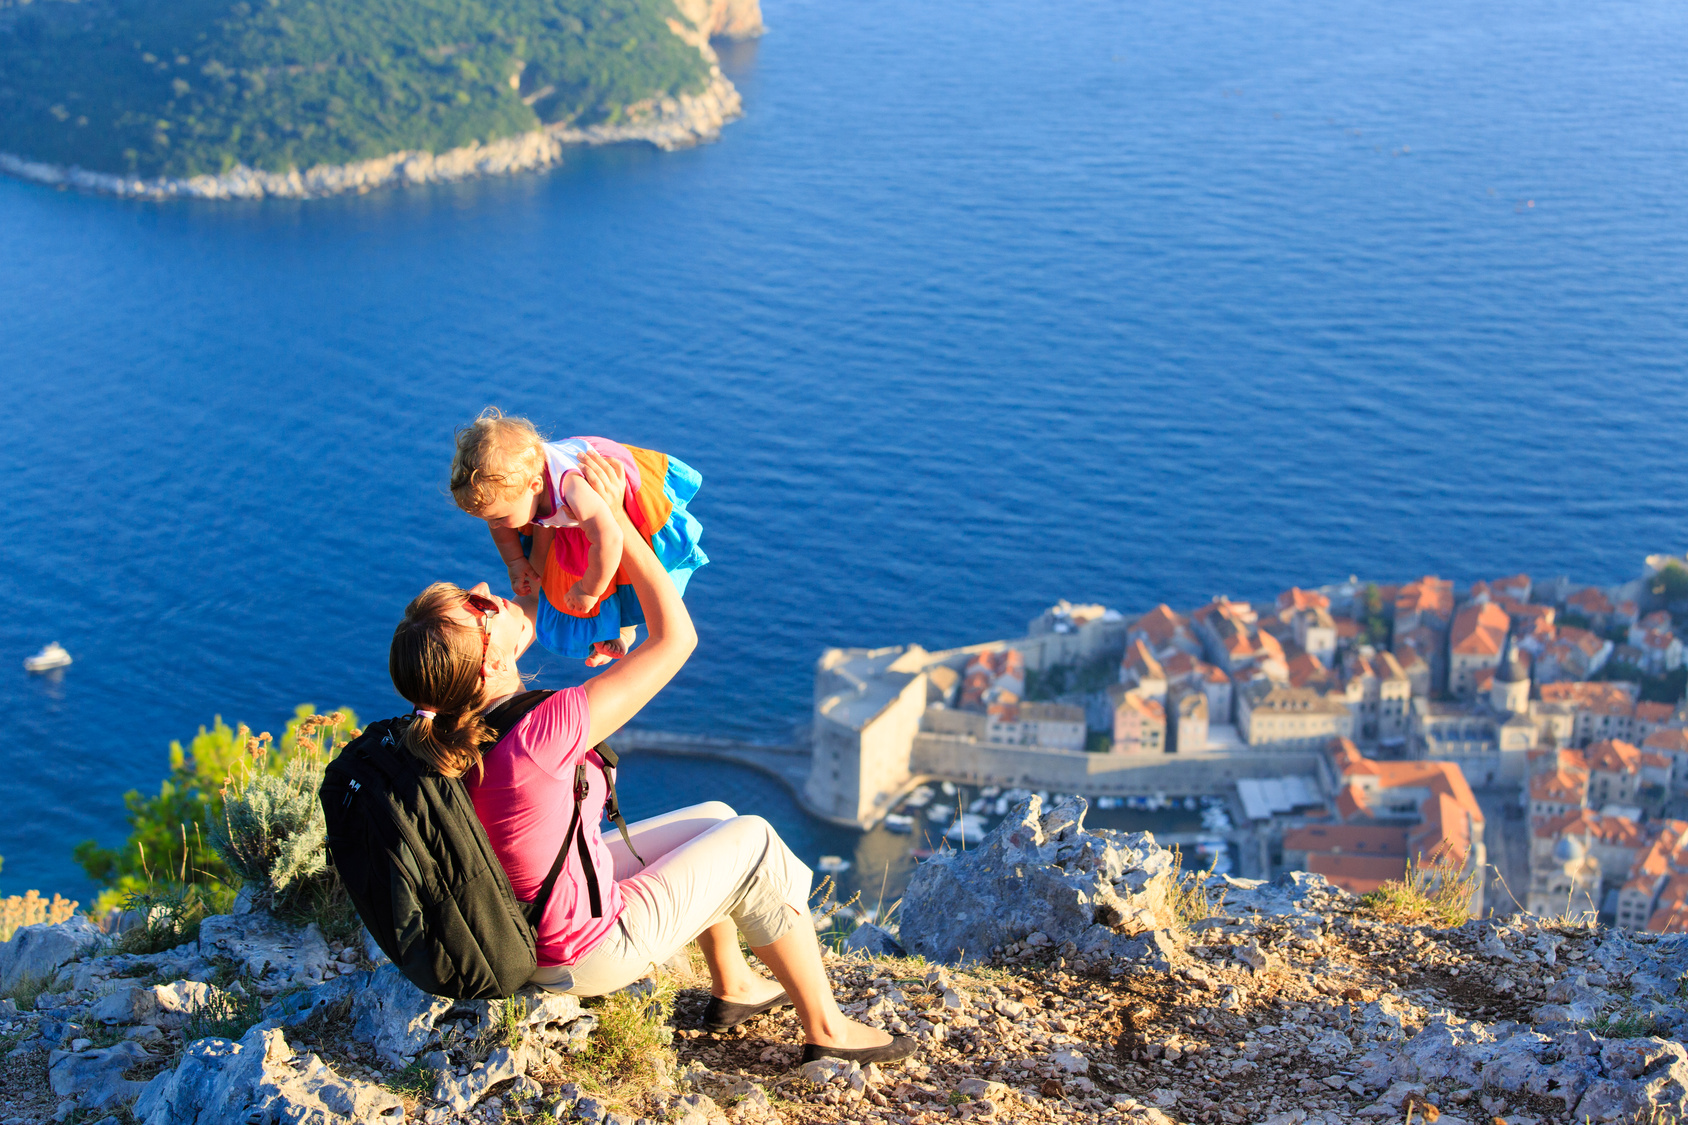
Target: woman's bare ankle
[847, 1033]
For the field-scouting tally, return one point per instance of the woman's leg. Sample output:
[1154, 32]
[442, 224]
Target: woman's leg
[796, 960]
[656, 836]
[737, 876]
[730, 976]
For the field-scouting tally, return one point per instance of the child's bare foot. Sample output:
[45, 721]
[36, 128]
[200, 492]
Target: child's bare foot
[605, 651]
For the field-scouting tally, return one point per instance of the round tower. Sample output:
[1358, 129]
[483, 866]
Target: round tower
[1510, 694]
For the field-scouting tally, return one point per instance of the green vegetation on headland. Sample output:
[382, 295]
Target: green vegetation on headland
[180, 88]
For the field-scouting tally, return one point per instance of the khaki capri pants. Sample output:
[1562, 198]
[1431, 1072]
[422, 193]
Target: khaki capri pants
[706, 864]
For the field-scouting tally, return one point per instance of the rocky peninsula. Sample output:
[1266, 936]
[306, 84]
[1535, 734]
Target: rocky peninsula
[667, 119]
[1052, 974]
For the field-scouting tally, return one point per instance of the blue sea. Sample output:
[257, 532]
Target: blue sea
[980, 306]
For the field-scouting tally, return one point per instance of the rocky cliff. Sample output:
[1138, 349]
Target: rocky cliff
[724, 19]
[1064, 979]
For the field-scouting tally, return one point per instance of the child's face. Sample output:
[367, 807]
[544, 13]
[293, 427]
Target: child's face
[516, 511]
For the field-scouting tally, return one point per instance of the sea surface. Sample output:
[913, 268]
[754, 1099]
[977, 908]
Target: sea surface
[980, 306]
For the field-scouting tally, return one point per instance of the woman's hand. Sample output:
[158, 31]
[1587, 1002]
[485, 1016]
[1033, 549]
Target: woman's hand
[606, 476]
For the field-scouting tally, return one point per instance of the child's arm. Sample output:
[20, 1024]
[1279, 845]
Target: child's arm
[523, 579]
[601, 527]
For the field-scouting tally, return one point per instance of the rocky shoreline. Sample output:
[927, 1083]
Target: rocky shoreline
[1062, 983]
[667, 123]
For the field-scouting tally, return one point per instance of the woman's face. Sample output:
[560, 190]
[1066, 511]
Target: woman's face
[510, 631]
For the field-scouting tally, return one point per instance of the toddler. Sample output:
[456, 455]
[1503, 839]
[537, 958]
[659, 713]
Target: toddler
[520, 484]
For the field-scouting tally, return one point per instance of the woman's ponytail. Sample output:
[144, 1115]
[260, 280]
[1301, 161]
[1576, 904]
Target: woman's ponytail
[435, 664]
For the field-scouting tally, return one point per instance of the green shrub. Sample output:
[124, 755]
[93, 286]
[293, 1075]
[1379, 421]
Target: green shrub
[272, 832]
[185, 87]
[168, 915]
[168, 845]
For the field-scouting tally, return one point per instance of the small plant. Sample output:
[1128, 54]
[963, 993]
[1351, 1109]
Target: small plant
[1627, 1024]
[1188, 896]
[632, 1045]
[1436, 894]
[272, 832]
[414, 1081]
[169, 913]
[838, 914]
[24, 992]
[509, 1023]
[224, 1015]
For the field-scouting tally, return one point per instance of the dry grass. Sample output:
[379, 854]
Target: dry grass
[1189, 897]
[1433, 894]
[30, 909]
[632, 1050]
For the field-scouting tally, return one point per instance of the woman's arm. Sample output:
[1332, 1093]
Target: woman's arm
[617, 694]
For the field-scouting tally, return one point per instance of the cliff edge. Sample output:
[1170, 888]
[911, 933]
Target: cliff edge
[1064, 975]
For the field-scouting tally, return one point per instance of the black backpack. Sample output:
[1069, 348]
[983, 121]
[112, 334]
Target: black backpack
[418, 866]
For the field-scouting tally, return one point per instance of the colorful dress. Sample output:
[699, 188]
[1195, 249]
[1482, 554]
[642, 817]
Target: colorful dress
[658, 488]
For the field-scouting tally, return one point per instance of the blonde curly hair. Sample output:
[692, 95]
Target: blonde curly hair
[497, 456]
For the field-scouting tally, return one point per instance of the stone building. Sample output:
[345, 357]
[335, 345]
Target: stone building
[1479, 633]
[868, 707]
[1139, 722]
[1288, 718]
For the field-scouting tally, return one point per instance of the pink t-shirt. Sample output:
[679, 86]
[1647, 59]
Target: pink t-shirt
[525, 799]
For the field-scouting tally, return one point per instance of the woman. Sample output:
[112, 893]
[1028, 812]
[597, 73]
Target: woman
[711, 874]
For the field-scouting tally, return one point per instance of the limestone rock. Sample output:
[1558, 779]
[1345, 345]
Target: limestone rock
[394, 1016]
[874, 941]
[1040, 873]
[461, 1093]
[275, 953]
[95, 1078]
[35, 953]
[727, 19]
[260, 1079]
[162, 1005]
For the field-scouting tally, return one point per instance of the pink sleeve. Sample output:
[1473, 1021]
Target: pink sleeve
[553, 735]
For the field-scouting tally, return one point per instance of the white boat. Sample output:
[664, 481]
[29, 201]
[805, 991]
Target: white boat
[832, 864]
[898, 823]
[918, 798]
[939, 814]
[1107, 802]
[949, 788]
[990, 791]
[969, 829]
[53, 656]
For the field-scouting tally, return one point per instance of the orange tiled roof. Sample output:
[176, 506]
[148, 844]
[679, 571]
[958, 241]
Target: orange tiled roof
[1600, 698]
[1589, 601]
[1160, 625]
[1611, 755]
[1295, 599]
[1428, 595]
[1654, 712]
[1658, 619]
[1480, 630]
[1670, 740]
[1357, 874]
[1348, 839]
[1180, 663]
[1655, 761]
[1140, 660]
[1560, 786]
